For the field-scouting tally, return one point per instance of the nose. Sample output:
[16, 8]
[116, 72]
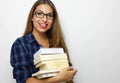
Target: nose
[45, 18]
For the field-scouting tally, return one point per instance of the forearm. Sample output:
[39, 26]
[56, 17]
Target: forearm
[49, 80]
[65, 75]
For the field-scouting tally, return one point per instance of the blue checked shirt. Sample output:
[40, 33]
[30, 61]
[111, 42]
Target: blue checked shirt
[21, 57]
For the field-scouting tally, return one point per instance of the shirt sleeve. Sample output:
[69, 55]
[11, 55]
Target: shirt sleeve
[20, 63]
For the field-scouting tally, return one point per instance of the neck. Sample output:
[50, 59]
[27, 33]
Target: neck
[39, 35]
[41, 38]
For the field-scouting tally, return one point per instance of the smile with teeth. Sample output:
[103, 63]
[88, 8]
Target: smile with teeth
[43, 26]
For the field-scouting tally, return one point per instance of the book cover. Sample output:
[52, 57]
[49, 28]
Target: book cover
[49, 51]
[45, 74]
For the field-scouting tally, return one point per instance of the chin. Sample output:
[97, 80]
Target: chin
[42, 31]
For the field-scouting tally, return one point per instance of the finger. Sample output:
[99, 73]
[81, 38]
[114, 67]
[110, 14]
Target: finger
[75, 71]
[70, 68]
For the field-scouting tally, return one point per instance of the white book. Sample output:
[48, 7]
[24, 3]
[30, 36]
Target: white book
[41, 58]
[46, 75]
[45, 71]
[48, 51]
[53, 64]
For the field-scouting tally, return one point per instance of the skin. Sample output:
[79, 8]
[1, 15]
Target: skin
[65, 75]
[41, 25]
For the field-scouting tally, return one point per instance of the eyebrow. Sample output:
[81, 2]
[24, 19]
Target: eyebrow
[43, 12]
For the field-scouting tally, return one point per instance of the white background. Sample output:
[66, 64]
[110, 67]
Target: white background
[92, 33]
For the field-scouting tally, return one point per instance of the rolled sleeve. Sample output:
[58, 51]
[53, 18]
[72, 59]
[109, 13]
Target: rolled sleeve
[21, 57]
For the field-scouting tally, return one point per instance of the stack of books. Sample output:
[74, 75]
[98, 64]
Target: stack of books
[49, 61]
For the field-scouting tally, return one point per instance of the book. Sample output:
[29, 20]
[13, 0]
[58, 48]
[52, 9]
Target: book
[49, 51]
[45, 71]
[53, 64]
[42, 74]
[47, 75]
[49, 61]
[39, 58]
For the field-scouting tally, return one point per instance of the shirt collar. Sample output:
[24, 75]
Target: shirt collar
[31, 38]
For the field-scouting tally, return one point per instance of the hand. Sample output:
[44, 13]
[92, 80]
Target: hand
[66, 74]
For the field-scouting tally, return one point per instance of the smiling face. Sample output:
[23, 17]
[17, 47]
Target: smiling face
[42, 18]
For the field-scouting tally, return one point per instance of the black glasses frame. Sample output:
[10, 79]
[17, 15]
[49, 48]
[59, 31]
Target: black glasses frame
[40, 14]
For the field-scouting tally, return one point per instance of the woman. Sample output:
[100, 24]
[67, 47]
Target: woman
[42, 30]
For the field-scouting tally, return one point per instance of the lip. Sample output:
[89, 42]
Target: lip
[43, 26]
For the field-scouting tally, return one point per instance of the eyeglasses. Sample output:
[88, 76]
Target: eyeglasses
[40, 14]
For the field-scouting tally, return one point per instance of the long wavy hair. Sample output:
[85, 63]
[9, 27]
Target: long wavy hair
[54, 34]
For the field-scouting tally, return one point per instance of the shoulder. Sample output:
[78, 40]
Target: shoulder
[26, 39]
[22, 44]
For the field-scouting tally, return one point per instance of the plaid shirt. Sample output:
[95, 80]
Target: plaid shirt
[21, 57]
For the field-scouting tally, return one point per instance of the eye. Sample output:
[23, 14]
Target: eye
[50, 15]
[39, 13]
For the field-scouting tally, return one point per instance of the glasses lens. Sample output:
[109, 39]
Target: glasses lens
[39, 14]
[50, 16]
